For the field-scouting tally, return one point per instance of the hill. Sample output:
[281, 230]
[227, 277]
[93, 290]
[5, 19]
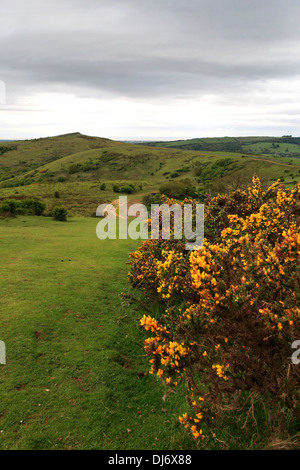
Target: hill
[73, 168]
[285, 146]
[19, 157]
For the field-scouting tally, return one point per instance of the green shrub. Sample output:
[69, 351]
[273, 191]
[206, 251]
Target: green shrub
[61, 179]
[30, 206]
[128, 189]
[74, 168]
[102, 187]
[150, 199]
[178, 189]
[174, 189]
[24, 206]
[60, 213]
[9, 206]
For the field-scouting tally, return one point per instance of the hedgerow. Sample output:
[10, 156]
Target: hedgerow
[230, 310]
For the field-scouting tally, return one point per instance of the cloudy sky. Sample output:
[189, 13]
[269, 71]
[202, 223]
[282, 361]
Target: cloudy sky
[149, 69]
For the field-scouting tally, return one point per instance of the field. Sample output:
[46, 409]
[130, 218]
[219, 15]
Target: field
[285, 146]
[76, 374]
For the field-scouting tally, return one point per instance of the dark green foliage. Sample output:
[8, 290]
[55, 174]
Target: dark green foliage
[9, 206]
[61, 179]
[4, 149]
[15, 183]
[128, 189]
[74, 168]
[31, 206]
[178, 189]
[216, 170]
[173, 189]
[60, 213]
[23, 206]
[149, 199]
[102, 186]
[177, 172]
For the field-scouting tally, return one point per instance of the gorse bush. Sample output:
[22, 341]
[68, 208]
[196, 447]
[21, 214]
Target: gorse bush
[229, 311]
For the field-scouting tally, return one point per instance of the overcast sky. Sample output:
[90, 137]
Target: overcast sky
[149, 69]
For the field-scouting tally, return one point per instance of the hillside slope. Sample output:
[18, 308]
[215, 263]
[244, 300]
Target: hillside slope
[75, 166]
[18, 157]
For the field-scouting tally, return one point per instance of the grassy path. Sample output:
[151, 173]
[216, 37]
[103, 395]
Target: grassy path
[75, 363]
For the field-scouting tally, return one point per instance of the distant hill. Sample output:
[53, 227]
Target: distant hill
[285, 146]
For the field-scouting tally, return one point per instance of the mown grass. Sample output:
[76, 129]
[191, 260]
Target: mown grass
[76, 374]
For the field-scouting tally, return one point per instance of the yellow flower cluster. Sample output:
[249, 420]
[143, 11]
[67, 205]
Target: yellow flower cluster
[151, 324]
[193, 423]
[166, 357]
[221, 370]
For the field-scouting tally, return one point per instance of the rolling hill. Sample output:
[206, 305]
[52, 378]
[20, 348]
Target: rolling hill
[285, 146]
[73, 166]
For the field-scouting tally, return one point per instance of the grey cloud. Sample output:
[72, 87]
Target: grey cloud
[147, 48]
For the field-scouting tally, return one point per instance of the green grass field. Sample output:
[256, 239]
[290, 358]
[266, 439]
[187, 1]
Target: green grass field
[75, 359]
[285, 146]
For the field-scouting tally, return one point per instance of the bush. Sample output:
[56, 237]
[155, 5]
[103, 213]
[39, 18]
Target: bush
[102, 186]
[129, 189]
[227, 314]
[9, 206]
[116, 188]
[56, 194]
[61, 179]
[173, 189]
[60, 213]
[150, 199]
[178, 189]
[74, 168]
[31, 206]
[23, 206]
